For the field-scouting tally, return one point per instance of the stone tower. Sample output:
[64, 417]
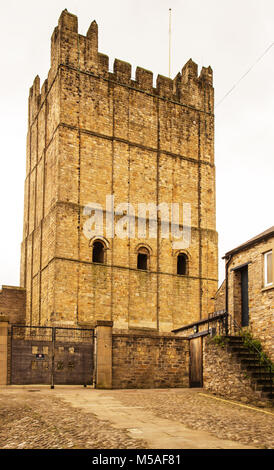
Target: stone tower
[94, 137]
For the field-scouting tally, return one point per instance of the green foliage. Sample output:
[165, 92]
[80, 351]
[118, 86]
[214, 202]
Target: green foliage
[219, 340]
[255, 345]
[250, 342]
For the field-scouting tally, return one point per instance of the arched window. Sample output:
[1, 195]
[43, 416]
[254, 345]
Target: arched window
[182, 264]
[142, 258]
[98, 252]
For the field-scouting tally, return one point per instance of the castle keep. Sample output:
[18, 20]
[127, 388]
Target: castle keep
[119, 251]
[94, 133]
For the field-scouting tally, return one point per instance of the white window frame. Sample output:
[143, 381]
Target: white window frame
[267, 284]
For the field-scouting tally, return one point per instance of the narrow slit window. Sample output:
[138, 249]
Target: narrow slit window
[182, 264]
[98, 252]
[142, 261]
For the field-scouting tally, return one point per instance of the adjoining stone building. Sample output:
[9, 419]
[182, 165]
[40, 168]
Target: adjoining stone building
[249, 288]
[93, 134]
[232, 352]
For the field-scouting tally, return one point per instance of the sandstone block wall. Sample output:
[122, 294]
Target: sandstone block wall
[93, 133]
[13, 304]
[219, 298]
[149, 361]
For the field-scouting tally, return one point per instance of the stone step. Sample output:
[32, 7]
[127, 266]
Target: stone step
[245, 353]
[240, 355]
[235, 344]
[251, 364]
[268, 395]
[265, 388]
[251, 360]
[238, 349]
[235, 339]
[262, 378]
[257, 370]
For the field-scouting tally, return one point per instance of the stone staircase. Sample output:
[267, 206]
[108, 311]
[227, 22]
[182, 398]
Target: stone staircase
[262, 380]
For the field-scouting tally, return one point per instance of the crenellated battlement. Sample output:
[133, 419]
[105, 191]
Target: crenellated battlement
[122, 71]
[68, 21]
[81, 53]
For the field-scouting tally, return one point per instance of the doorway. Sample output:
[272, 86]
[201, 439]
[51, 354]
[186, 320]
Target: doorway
[244, 296]
[196, 362]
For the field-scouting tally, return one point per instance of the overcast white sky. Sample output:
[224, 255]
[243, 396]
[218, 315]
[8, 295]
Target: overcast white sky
[229, 35]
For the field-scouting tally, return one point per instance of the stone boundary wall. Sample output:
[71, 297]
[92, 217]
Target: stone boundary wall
[222, 374]
[149, 361]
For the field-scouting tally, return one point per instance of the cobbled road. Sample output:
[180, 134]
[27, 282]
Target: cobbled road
[223, 419]
[35, 419]
[39, 418]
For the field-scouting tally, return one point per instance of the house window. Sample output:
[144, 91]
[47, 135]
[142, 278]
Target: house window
[142, 259]
[182, 264]
[268, 271]
[98, 252]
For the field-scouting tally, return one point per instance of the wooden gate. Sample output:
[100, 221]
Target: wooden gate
[51, 355]
[196, 362]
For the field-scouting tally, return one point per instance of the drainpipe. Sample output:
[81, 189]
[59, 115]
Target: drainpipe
[228, 259]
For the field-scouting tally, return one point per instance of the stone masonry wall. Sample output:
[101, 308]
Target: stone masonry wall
[13, 304]
[149, 361]
[219, 298]
[94, 133]
[222, 374]
[260, 298]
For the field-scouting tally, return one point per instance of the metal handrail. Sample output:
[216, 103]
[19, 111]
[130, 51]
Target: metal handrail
[212, 317]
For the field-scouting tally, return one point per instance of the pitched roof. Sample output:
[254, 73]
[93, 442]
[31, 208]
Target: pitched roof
[266, 234]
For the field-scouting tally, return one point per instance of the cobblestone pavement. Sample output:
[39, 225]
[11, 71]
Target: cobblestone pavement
[221, 418]
[64, 418]
[38, 420]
